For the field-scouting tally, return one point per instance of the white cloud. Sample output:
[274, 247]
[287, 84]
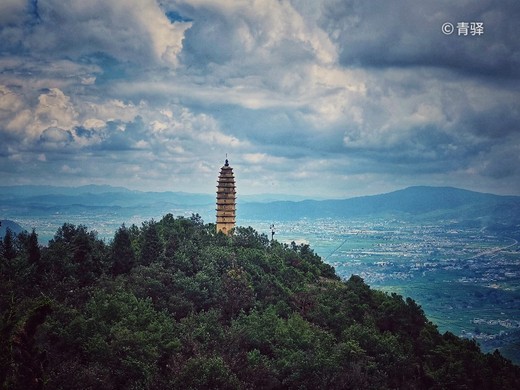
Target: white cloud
[142, 144]
[130, 30]
[69, 170]
[54, 109]
[94, 123]
[11, 110]
[264, 159]
[220, 139]
[106, 110]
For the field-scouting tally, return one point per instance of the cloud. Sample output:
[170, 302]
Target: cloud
[56, 136]
[257, 55]
[11, 11]
[154, 142]
[10, 106]
[346, 95]
[273, 32]
[68, 170]
[404, 34]
[120, 29]
[502, 162]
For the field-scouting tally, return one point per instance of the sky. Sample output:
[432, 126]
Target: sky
[316, 98]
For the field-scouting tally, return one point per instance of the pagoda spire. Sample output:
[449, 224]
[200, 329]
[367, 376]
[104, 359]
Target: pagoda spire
[226, 199]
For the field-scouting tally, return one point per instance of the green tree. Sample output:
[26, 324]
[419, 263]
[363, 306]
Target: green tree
[206, 372]
[152, 248]
[33, 249]
[8, 248]
[82, 257]
[122, 340]
[21, 360]
[247, 237]
[238, 292]
[74, 259]
[121, 252]
[205, 310]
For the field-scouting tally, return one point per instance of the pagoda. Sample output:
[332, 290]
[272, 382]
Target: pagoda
[226, 196]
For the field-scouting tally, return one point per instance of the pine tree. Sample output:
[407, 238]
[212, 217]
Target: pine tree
[9, 250]
[122, 254]
[33, 249]
[152, 247]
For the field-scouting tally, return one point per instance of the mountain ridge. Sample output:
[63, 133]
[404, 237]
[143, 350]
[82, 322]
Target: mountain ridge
[426, 202]
[418, 201]
[95, 189]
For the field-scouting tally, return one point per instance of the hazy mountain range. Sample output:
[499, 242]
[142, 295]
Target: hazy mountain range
[414, 202]
[427, 203]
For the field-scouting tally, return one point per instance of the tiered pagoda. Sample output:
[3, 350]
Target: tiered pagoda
[226, 197]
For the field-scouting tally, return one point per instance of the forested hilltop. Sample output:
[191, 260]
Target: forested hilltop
[173, 305]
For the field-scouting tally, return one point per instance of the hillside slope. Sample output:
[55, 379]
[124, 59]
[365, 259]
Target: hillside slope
[172, 305]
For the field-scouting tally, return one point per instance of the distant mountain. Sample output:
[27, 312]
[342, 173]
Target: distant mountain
[266, 198]
[425, 203]
[416, 202]
[94, 195]
[109, 195]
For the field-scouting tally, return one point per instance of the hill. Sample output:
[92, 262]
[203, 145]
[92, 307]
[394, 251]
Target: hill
[11, 225]
[173, 305]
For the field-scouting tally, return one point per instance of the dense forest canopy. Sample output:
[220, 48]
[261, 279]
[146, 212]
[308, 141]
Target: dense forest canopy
[174, 305]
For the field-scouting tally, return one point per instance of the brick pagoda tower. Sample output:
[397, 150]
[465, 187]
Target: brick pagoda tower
[226, 196]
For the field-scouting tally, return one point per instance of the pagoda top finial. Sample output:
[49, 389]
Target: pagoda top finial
[227, 162]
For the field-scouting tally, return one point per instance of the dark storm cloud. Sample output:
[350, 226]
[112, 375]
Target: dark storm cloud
[426, 150]
[406, 33]
[502, 163]
[495, 124]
